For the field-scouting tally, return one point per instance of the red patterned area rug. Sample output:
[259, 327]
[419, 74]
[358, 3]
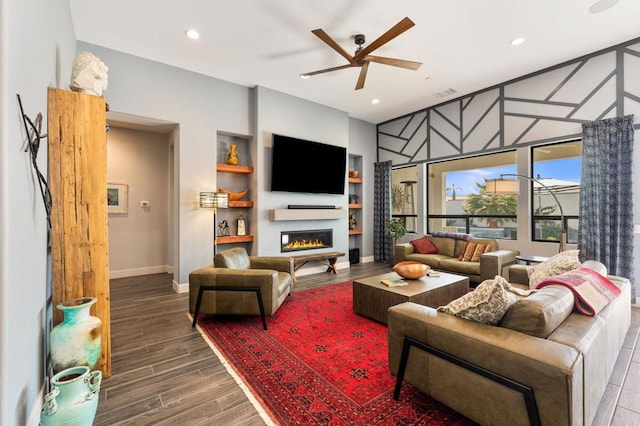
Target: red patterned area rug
[320, 363]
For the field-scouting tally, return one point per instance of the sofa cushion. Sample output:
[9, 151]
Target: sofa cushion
[446, 246]
[457, 266]
[472, 252]
[424, 246]
[432, 260]
[487, 304]
[556, 265]
[540, 313]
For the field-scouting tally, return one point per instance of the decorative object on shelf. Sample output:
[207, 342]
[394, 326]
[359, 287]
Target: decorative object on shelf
[73, 399]
[502, 186]
[353, 173]
[232, 158]
[214, 200]
[242, 226]
[223, 228]
[353, 198]
[353, 223]
[234, 196]
[117, 197]
[89, 74]
[77, 339]
[411, 270]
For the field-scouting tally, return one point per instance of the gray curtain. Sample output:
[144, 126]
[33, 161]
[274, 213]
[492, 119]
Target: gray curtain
[382, 240]
[606, 196]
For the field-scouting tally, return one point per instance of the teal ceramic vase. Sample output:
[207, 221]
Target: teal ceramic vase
[73, 399]
[76, 340]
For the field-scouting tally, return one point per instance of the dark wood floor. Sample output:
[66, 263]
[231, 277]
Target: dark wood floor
[163, 372]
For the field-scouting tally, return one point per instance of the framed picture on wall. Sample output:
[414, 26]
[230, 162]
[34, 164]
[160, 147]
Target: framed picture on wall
[117, 197]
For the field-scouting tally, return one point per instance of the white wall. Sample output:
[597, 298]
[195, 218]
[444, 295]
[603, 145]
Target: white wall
[138, 240]
[38, 47]
[200, 106]
[290, 116]
[362, 141]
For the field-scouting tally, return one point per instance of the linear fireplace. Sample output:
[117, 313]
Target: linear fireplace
[305, 240]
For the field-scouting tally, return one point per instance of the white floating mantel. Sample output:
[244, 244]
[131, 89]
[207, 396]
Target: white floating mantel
[307, 214]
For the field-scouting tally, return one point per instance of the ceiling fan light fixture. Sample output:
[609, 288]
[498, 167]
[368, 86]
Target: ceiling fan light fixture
[192, 34]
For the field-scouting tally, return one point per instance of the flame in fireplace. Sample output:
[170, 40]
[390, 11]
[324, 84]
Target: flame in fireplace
[303, 244]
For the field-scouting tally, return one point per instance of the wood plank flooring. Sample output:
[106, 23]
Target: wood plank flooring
[163, 372]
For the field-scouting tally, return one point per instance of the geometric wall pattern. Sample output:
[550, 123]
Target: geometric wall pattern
[549, 105]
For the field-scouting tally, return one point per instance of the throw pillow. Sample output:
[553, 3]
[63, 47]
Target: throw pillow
[471, 252]
[562, 262]
[424, 246]
[487, 304]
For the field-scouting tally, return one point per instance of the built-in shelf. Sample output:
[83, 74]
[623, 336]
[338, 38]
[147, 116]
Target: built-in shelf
[230, 239]
[355, 231]
[355, 206]
[228, 168]
[355, 180]
[307, 214]
[241, 204]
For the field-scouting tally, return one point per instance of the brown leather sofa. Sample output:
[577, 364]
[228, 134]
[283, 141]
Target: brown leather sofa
[563, 375]
[234, 268]
[490, 265]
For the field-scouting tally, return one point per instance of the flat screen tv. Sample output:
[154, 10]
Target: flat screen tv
[299, 165]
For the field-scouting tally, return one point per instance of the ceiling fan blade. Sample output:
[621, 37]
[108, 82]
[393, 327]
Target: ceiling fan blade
[341, 67]
[362, 76]
[394, 32]
[335, 46]
[411, 65]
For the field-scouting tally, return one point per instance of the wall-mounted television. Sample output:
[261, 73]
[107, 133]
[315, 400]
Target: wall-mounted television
[299, 165]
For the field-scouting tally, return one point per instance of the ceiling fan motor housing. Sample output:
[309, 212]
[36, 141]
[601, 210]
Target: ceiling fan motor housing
[359, 39]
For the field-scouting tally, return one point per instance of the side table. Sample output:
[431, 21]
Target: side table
[528, 260]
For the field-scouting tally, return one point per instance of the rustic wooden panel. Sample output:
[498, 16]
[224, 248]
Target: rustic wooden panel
[78, 182]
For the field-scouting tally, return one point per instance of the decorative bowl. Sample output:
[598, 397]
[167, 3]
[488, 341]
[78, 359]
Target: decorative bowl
[234, 196]
[411, 270]
[353, 173]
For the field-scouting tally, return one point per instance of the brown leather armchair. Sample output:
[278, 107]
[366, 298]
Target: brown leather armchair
[240, 284]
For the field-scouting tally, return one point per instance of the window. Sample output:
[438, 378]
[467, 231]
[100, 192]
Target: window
[456, 199]
[558, 167]
[404, 197]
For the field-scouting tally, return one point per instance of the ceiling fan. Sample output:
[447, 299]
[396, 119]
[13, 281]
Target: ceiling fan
[362, 58]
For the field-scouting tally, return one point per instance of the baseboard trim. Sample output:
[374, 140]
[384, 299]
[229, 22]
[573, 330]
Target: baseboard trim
[124, 273]
[180, 288]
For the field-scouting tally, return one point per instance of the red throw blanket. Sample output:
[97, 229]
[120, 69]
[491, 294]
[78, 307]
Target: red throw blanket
[592, 291]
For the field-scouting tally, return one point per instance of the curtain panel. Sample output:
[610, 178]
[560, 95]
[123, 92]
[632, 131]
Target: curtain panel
[382, 240]
[606, 197]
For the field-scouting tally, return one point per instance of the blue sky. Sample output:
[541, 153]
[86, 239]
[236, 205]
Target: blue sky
[465, 182]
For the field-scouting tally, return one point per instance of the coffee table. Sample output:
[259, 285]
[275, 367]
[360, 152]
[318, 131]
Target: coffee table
[372, 299]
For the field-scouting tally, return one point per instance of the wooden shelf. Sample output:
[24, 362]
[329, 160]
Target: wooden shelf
[235, 239]
[355, 206]
[355, 180]
[355, 231]
[241, 204]
[228, 168]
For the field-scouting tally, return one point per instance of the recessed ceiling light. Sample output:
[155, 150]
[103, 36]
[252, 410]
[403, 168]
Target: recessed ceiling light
[602, 5]
[375, 101]
[517, 41]
[192, 34]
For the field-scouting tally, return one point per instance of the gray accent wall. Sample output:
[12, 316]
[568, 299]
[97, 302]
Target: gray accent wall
[546, 106]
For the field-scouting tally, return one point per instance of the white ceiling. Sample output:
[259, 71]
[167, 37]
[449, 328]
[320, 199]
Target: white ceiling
[463, 44]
